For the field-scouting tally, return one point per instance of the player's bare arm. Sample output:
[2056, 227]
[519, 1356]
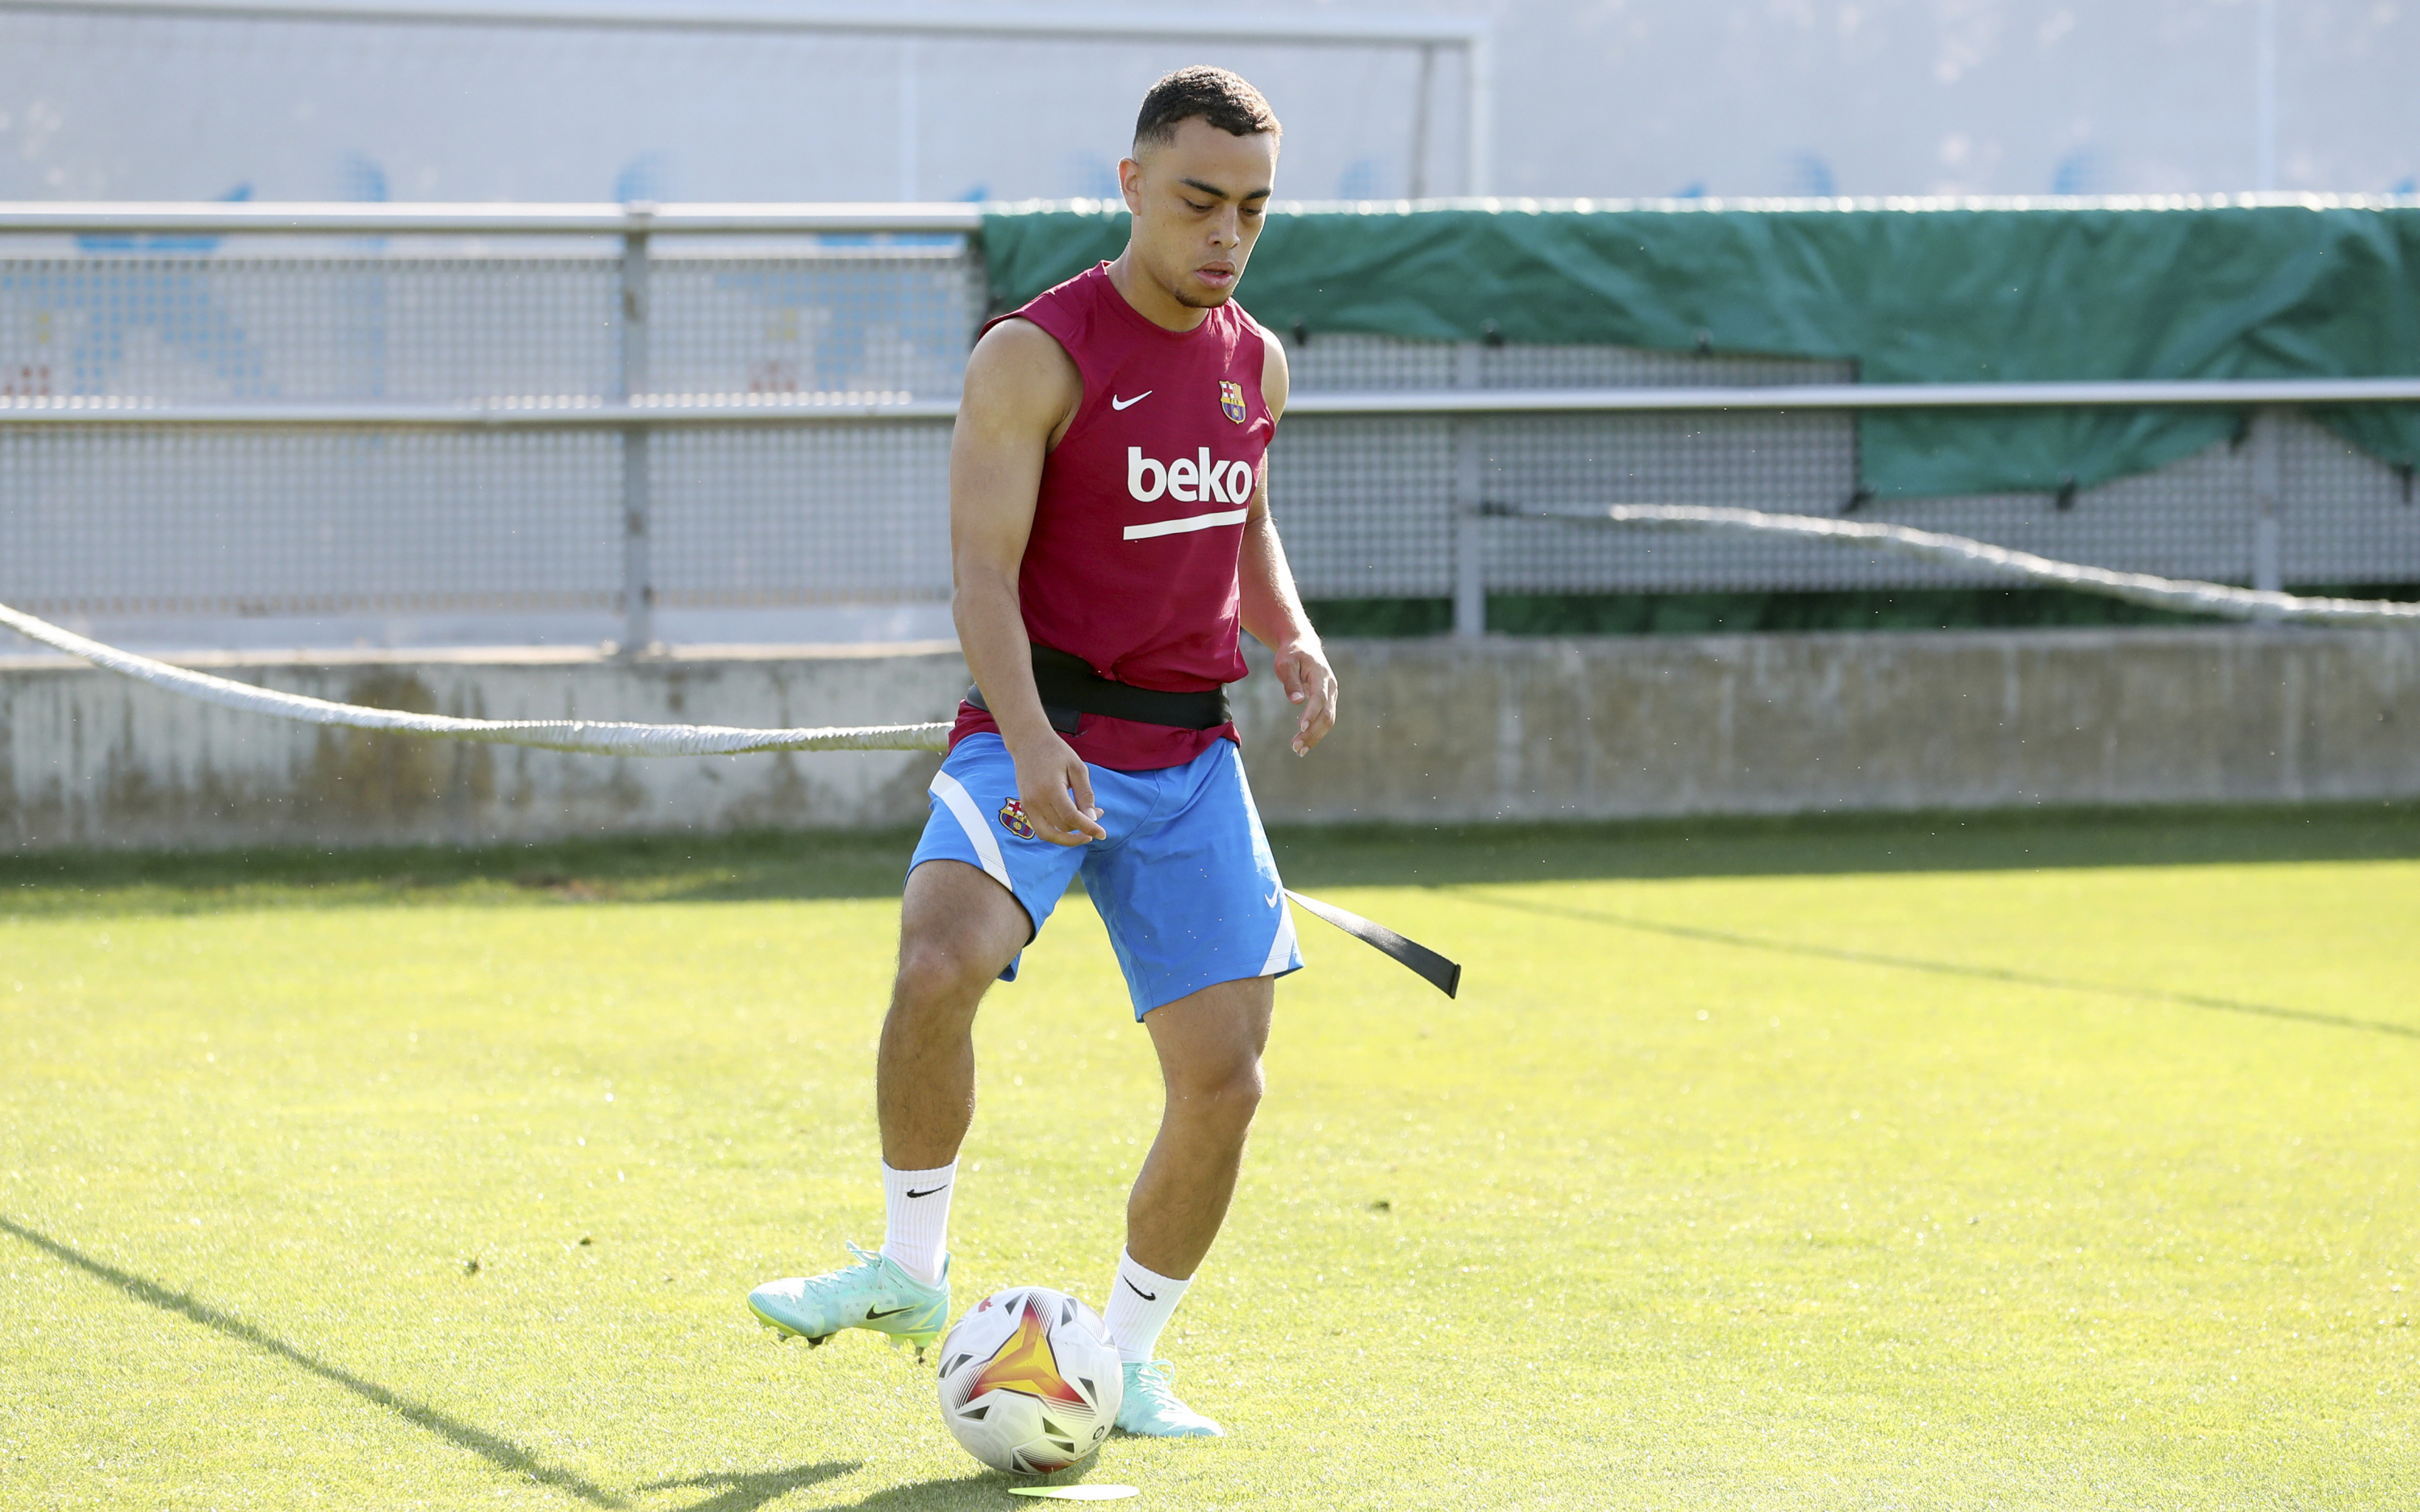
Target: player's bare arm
[1272, 609]
[1021, 392]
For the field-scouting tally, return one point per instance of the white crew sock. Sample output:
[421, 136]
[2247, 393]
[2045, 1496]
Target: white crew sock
[1141, 1301]
[916, 1218]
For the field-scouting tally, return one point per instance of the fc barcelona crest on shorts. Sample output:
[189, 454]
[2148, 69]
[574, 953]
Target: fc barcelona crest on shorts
[1012, 818]
[1230, 399]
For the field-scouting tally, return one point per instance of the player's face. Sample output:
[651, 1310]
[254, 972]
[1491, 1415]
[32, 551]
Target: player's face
[1197, 204]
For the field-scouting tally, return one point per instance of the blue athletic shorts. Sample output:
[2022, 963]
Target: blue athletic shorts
[1185, 882]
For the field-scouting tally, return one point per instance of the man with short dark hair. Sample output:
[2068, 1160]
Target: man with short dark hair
[1109, 529]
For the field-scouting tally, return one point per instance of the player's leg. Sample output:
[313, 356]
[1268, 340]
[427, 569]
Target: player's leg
[1209, 1046]
[977, 890]
[958, 930]
[1194, 908]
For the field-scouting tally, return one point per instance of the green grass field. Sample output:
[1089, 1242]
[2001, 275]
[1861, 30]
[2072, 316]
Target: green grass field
[2064, 1164]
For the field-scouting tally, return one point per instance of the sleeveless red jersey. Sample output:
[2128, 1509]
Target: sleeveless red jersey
[1140, 518]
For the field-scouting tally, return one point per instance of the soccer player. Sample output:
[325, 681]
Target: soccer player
[1109, 528]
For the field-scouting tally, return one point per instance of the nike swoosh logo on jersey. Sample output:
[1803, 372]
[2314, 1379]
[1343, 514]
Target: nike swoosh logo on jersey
[1116, 403]
[1272, 898]
[928, 1191]
[1147, 1296]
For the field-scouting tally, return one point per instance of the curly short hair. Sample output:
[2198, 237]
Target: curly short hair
[1221, 98]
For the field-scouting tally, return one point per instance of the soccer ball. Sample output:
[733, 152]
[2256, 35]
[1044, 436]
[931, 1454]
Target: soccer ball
[1030, 1381]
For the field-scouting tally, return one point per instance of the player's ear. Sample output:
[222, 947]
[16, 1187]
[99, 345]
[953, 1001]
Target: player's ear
[1130, 183]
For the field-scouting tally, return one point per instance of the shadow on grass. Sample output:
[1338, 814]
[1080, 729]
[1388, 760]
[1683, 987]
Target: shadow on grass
[747, 1490]
[502, 1452]
[779, 865]
[1941, 968]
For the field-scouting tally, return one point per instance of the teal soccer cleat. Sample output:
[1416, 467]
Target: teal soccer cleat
[1151, 1410]
[874, 1293]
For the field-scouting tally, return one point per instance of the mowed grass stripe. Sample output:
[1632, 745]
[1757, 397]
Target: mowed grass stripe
[1857, 1234]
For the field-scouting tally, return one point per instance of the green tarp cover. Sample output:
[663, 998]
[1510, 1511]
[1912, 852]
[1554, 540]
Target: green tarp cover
[1912, 296]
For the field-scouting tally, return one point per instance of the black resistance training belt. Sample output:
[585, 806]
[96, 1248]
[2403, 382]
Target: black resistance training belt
[1430, 967]
[1070, 687]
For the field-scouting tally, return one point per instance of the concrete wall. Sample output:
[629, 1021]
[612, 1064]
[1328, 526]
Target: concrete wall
[89, 758]
[1433, 731]
[1603, 727]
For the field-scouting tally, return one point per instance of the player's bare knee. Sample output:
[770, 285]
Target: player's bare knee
[1225, 1096]
[938, 978]
[1239, 1096]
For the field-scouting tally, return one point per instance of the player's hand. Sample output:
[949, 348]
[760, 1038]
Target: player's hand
[1311, 686]
[1056, 789]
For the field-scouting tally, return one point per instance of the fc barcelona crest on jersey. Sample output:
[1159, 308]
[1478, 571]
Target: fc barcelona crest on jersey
[1230, 399]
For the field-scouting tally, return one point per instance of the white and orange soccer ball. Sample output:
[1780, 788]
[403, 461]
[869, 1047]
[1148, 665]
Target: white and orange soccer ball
[1030, 1381]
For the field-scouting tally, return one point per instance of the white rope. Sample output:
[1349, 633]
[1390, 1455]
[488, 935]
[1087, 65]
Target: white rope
[604, 738]
[2135, 587]
[589, 736]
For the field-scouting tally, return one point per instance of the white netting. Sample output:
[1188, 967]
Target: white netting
[587, 737]
[2135, 587]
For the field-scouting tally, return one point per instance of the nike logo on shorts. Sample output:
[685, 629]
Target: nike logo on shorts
[928, 1191]
[1116, 403]
[1272, 898]
[1147, 1296]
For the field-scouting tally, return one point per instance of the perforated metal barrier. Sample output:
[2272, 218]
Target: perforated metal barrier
[192, 523]
[278, 522]
[1369, 503]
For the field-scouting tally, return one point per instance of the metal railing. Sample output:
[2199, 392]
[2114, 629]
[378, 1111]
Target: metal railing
[633, 409]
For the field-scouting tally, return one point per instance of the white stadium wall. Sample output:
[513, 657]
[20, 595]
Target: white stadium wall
[1604, 97]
